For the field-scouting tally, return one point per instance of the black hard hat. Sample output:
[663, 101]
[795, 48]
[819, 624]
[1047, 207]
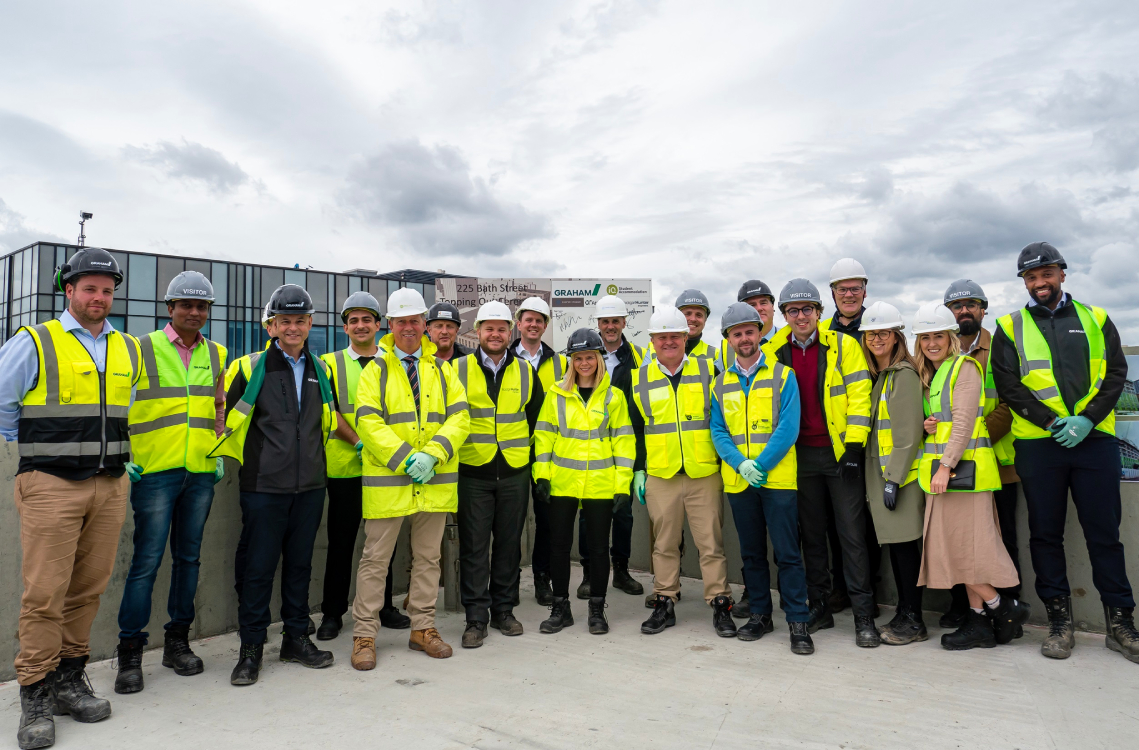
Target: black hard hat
[85, 262]
[444, 311]
[584, 340]
[290, 299]
[1038, 254]
[754, 288]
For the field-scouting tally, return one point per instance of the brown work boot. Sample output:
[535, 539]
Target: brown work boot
[429, 642]
[363, 653]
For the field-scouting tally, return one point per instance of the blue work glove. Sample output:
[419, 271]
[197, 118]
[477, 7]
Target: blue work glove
[219, 470]
[134, 471]
[420, 467]
[639, 480]
[360, 449]
[1071, 431]
[752, 474]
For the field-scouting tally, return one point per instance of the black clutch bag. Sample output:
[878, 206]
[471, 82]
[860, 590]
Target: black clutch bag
[962, 477]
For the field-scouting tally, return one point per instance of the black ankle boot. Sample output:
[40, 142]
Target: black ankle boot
[543, 589]
[906, 627]
[177, 655]
[1009, 615]
[301, 650]
[129, 655]
[975, 632]
[865, 634]
[663, 616]
[820, 617]
[722, 621]
[1061, 637]
[248, 664]
[1121, 633]
[392, 618]
[74, 695]
[598, 625]
[330, 627]
[755, 628]
[622, 580]
[801, 642]
[583, 587]
[955, 617]
[37, 727]
[741, 610]
[560, 616]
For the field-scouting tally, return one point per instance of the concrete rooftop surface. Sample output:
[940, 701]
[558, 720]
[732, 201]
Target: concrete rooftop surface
[684, 688]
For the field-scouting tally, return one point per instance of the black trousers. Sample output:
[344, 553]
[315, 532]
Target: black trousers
[345, 501]
[599, 513]
[873, 551]
[492, 514]
[1091, 471]
[540, 555]
[1005, 499]
[905, 560]
[819, 484]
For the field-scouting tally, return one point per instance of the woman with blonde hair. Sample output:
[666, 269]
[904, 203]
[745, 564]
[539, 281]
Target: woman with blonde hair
[584, 448]
[959, 472]
[897, 502]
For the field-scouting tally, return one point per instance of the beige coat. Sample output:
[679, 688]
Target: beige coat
[904, 403]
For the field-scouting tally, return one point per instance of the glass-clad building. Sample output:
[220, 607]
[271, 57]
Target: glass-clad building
[241, 289]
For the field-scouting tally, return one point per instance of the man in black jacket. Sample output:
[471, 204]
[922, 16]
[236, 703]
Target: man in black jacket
[1060, 367]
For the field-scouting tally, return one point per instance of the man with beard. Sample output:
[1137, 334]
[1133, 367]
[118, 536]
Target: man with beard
[443, 321]
[967, 301]
[1060, 367]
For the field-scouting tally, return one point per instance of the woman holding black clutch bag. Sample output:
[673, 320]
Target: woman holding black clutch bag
[958, 471]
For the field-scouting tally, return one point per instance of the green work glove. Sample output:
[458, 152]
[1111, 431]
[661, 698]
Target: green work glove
[420, 467]
[134, 471]
[219, 470]
[752, 473]
[1071, 431]
[639, 480]
[360, 449]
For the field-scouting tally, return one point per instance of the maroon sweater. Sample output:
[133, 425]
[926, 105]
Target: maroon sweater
[812, 419]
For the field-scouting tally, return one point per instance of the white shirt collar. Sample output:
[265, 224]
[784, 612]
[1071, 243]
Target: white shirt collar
[808, 342]
[490, 363]
[353, 354]
[69, 323]
[679, 367]
[751, 370]
[522, 352]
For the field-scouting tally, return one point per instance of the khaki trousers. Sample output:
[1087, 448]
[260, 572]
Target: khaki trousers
[69, 532]
[667, 501]
[380, 536]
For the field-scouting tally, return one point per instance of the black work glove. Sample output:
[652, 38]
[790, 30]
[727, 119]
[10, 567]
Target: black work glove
[850, 464]
[622, 499]
[890, 495]
[542, 490]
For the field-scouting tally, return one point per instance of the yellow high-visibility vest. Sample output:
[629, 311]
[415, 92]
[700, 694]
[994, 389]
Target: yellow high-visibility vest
[496, 426]
[677, 422]
[552, 371]
[886, 434]
[979, 449]
[344, 375]
[751, 418]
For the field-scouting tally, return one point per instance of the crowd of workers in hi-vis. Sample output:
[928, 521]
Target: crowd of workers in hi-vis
[828, 435]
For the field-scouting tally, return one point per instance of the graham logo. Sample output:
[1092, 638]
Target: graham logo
[578, 292]
[121, 374]
[611, 289]
[106, 263]
[1032, 260]
[1075, 330]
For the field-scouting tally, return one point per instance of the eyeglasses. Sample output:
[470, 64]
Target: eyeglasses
[794, 312]
[879, 335]
[848, 291]
[965, 304]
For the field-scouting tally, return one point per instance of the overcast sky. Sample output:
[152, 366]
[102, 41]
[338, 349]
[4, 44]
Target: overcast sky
[699, 144]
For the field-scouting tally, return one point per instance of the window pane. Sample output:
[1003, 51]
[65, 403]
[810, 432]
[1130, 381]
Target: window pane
[139, 326]
[295, 276]
[416, 287]
[318, 340]
[429, 294]
[341, 291]
[118, 322]
[355, 284]
[318, 289]
[135, 307]
[219, 277]
[168, 268]
[379, 290]
[47, 268]
[341, 339]
[392, 286]
[17, 273]
[271, 278]
[201, 266]
[118, 307]
[218, 330]
[141, 277]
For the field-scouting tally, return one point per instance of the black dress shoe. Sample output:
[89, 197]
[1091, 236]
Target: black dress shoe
[801, 642]
[1009, 615]
[330, 626]
[37, 727]
[543, 589]
[865, 634]
[129, 677]
[506, 623]
[820, 617]
[975, 632]
[622, 581]
[73, 692]
[722, 621]
[177, 655]
[755, 628]
[560, 616]
[663, 616]
[390, 617]
[301, 650]
[248, 666]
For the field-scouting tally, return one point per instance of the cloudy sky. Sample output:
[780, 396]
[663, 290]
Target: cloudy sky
[697, 143]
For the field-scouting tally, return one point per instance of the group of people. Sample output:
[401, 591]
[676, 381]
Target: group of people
[827, 435]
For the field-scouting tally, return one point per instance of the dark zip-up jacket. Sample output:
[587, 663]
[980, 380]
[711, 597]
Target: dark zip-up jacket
[853, 328]
[498, 468]
[1070, 354]
[622, 375]
[783, 354]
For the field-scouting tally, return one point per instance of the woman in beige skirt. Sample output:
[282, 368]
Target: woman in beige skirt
[962, 538]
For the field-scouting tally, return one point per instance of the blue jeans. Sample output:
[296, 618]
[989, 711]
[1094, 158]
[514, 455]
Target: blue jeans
[622, 534]
[757, 513]
[170, 504]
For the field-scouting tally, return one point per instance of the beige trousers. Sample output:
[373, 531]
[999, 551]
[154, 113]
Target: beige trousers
[69, 532]
[380, 536]
[668, 501]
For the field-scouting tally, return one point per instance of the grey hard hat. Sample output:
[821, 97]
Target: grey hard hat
[739, 313]
[360, 301]
[693, 298]
[799, 290]
[190, 285]
[754, 288]
[584, 340]
[85, 262]
[1038, 254]
[965, 289]
[444, 311]
[290, 299]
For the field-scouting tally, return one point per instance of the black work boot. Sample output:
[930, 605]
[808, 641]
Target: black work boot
[801, 642]
[1121, 633]
[1009, 615]
[906, 627]
[820, 617]
[301, 650]
[506, 623]
[129, 655]
[330, 627]
[755, 628]
[583, 587]
[474, 634]
[598, 625]
[622, 580]
[248, 664]
[74, 695]
[742, 608]
[955, 617]
[177, 655]
[392, 618]
[975, 632]
[865, 634]
[543, 589]
[663, 616]
[37, 727]
[722, 621]
[1061, 637]
[560, 616]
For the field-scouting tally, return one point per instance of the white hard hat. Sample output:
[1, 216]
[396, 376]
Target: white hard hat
[610, 306]
[404, 302]
[882, 316]
[847, 268]
[535, 304]
[934, 317]
[265, 316]
[668, 320]
[493, 310]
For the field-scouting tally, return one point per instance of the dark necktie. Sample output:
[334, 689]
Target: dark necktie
[412, 377]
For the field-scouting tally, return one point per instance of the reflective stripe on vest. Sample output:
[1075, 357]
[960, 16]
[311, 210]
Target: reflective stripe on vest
[979, 448]
[886, 435]
[751, 418]
[496, 426]
[339, 456]
[677, 422]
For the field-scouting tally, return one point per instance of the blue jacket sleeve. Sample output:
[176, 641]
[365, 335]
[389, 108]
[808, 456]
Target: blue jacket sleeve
[722, 439]
[787, 431]
[19, 368]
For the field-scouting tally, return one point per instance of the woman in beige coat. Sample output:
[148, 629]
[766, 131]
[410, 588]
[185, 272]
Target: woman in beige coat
[897, 502]
[962, 540]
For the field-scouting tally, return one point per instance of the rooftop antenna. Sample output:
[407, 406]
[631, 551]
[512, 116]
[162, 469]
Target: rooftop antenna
[83, 217]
